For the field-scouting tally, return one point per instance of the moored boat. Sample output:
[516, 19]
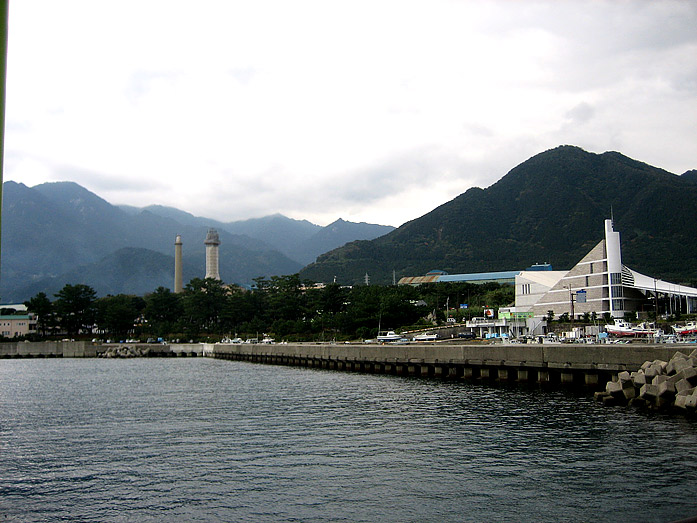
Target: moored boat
[426, 336]
[689, 329]
[385, 336]
[623, 328]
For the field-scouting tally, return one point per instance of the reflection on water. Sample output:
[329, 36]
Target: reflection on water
[207, 440]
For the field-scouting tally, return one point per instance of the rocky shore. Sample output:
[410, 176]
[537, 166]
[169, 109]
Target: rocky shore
[664, 385]
[125, 351]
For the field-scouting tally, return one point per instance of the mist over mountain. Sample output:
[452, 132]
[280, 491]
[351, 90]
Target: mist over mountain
[58, 233]
[550, 208]
[300, 240]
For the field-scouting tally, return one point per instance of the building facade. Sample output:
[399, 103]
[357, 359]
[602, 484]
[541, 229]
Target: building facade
[14, 326]
[600, 284]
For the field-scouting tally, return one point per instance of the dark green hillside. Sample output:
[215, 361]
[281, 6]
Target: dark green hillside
[690, 176]
[58, 233]
[127, 271]
[550, 208]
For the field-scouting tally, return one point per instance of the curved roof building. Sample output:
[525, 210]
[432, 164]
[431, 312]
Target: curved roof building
[601, 283]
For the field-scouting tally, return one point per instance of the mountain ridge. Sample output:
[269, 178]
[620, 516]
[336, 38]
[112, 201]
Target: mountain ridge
[550, 207]
[52, 229]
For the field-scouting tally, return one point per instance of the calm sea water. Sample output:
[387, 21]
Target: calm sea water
[208, 440]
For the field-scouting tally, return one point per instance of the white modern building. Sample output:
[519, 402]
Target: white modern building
[600, 283]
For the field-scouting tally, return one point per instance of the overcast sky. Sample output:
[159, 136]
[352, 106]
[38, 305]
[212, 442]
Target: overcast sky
[374, 111]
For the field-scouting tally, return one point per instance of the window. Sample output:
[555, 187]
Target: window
[616, 278]
[591, 268]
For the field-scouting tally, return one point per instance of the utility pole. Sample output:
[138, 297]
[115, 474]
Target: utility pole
[571, 301]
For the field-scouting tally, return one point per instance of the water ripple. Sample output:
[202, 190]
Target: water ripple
[208, 440]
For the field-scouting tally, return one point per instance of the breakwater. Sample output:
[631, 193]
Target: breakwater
[657, 383]
[48, 349]
[84, 349]
[568, 364]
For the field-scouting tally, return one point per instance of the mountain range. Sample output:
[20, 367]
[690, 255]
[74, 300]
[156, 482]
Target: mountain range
[58, 233]
[550, 208]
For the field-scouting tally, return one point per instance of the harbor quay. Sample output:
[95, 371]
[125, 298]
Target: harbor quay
[585, 365]
[589, 366]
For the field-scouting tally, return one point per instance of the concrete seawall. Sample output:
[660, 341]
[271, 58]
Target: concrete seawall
[48, 349]
[587, 365]
[83, 349]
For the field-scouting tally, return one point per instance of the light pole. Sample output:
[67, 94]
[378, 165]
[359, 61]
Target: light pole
[571, 301]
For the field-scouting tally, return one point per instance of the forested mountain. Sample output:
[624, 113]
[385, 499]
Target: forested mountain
[61, 233]
[690, 176]
[58, 233]
[550, 208]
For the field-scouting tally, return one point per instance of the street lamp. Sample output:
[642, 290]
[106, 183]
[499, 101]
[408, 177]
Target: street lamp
[571, 301]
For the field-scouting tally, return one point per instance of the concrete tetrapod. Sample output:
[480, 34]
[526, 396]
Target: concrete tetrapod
[657, 385]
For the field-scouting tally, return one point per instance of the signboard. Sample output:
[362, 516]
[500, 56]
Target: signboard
[450, 319]
[580, 296]
[463, 305]
[489, 313]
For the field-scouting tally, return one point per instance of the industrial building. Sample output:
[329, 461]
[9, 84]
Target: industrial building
[477, 277]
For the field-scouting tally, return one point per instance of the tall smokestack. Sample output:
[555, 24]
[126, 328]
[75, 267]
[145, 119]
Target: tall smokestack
[212, 242]
[178, 272]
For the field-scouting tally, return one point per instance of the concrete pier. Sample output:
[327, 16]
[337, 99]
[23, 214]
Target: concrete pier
[84, 349]
[567, 365]
[48, 349]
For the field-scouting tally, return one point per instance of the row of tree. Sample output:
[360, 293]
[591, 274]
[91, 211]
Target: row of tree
[282, 306]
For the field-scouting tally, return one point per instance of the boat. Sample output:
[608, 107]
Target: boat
[387, 336]
[622, 328]
[689, 329]
[426, 336]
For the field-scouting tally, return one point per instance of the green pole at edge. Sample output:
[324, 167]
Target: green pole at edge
[4, 9]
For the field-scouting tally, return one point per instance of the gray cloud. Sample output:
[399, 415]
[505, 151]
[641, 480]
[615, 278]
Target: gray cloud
[580, 114]
[251, 116]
